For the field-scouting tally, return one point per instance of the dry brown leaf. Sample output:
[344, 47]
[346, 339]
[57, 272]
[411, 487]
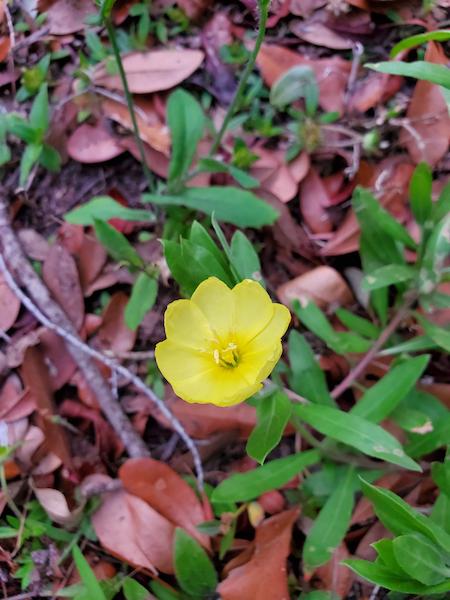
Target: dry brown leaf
[427, 137]
[165, 491]
[320, 35]
[114, 334]
[130, 529]
[374, 89]
[334, 576]
[66, 16]
[91, 258]
[93, 144]
[34, 244]
[313, 199]
[60, 274]
[61, 365]
[332, 73]
[9, 306]
[151, 130]
[157, 161]
[55, 505]
[323, 285]
[264, 575]
[152, 71]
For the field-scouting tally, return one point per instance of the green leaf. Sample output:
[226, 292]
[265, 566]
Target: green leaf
[441, 475]
[421, 445]
[297, 82]
[420, 69]
[373, 216]
[17, 126]
[50, 158]
[318, 595]
[441, 35]
[190, 264]
[436, 253]
[417, 344]
[439, 335]
[87, 575]
[29, 159]
[400, 518]
[307, 378]
[273, 414]
[358, 324]
[199, 236]
[316, 321]
[330, 525]
[117, 244]
[441, 512]
[243, 487]
[441, 208]
[420, 558]
[388, 275]
[229, 204]
[186, 122]
[132, 590]
[354, 431]
[163, 592]
[39, 114]
[384, 577]
[105, 208]
[211, 165]
[142, 299]
[5, 153]
[385, 551]
[193, 569]
[420, 192]
[106, 7]
[244, 257]
[383, 397]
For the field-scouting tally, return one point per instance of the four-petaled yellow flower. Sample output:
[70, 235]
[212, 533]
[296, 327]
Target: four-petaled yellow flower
[222, 343]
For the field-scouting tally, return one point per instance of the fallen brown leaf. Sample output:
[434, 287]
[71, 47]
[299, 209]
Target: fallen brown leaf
[152, 71]
[66, 16]
[165, 491]
[55, 505]
[264, 575]
[114, 334]
[314, 198]
[320, 35]
[9, 306]
[93, 144]
[334, 576]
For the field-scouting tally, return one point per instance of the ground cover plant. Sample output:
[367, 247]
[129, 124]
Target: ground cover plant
[224, 293]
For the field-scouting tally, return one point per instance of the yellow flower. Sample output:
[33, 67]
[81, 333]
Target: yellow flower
[221, 344]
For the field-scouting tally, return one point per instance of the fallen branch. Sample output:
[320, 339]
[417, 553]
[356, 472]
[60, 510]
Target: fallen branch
[52, 316]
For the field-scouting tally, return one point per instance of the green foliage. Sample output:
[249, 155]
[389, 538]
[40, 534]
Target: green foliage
[104, 208]
[297, 82]
[419, 69]
[273, 412]
[421, 38]
[193, 569]
[87, 575]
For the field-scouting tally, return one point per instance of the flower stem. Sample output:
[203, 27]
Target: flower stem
[129, 98]
[263, 14]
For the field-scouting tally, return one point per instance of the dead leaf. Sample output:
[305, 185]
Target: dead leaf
[91, 257]
[323, 285]
[332, 73]
[151, 130]
[264, 575]
[35, 245]
[59, 361]
[35, 375]
[9, 306]
[166, 492]
[60, 274]
[313, 199]
[157, 161]
[114, 334]
[334, 576]
[55, 505]
[152, 71]
[320, 35]
[93, 144]
[66, 16]
[428, 135]
[130, 529]
[274, 174]
[374, 89]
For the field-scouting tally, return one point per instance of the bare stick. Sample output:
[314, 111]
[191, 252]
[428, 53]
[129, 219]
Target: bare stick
[56, 320]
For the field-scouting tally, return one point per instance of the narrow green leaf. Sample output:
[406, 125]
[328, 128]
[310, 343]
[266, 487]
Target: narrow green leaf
[142, 299]
[441, 35]
[87, 575]
[439, 335]
[244, 257]
[354, 431]
[420, 558]
[421, 445]
[297, 82]
[388, 275]
[243, 487]
[307, 378]
[229, 204]
[132, 590]
[39, 114]
[186, 122]
[436, 253]
[420, 192]
[117, 245]
[441, 512]
[441, 208]
[211, 165]
[199, 236]
[17, 126]
[383, 397]
[358, 324]
[273, 414]
[420, 69]
[29, 159]
[105, 208]
[50, 158]
[193, 569]
[330, 525]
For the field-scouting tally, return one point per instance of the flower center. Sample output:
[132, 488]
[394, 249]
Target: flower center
[227, 357]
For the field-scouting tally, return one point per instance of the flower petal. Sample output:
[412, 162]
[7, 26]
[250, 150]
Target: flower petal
[177, 363]
[254, 310]
[186, 325]
[256, 366]
[222, 387]
[216, 301]
[272, 333]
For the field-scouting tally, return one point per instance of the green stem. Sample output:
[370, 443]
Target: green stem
[130, 103]
[263, 14]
